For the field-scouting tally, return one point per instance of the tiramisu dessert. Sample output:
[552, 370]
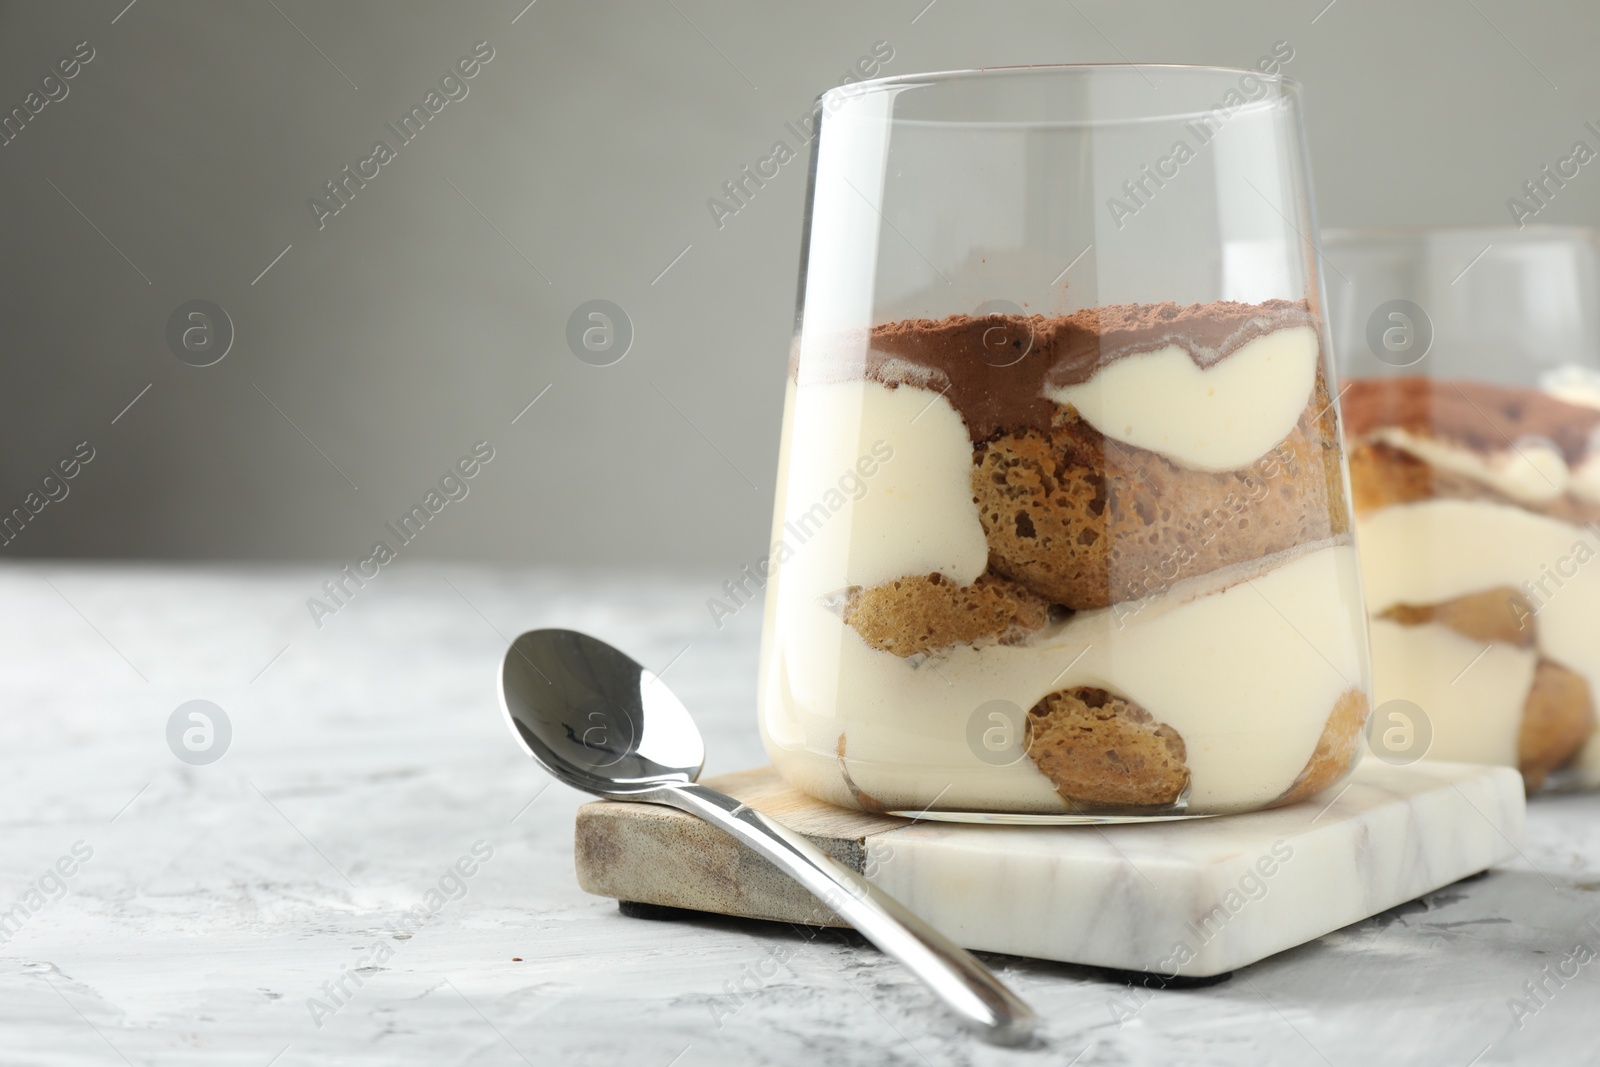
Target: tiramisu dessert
[1098, 562]
[1478, 512]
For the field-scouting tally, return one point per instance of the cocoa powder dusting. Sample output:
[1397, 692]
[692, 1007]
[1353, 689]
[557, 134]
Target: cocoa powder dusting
[1476, 415]
[995, 369]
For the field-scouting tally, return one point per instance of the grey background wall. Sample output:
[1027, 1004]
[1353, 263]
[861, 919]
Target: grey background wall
[423, 317]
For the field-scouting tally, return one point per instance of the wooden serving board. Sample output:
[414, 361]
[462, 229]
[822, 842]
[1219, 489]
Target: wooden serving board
[1192, 899]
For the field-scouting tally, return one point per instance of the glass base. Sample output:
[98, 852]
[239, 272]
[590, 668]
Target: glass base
[1064, 818]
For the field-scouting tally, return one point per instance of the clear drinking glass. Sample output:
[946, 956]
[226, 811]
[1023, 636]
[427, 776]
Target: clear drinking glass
[1062, 525]
[1471, 416]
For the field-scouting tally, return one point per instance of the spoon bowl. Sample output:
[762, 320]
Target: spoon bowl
[594, 718]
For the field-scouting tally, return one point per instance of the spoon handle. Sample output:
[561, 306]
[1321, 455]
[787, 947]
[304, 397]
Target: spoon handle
[969, 988]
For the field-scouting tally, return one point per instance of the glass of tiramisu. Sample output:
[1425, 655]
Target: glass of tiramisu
[1472, 415]
[1062, 528]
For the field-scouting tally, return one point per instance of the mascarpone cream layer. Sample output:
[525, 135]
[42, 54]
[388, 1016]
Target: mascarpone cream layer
[1437, 550]
[1221, 418]
[1534, 472]
[1473, 698]
[1574, 383]
[1246, 675]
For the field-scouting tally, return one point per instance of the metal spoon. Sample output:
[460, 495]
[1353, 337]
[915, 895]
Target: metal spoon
[601, 723]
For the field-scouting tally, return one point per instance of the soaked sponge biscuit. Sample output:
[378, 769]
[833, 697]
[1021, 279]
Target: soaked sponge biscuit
[1337, 749]
[1500, 614]
[1556, 721]
[1086, 522]
[1382, 475]
[1101, 749]
[927, 612]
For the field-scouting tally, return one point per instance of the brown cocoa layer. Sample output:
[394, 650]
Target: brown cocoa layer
[1104, 750]
[995, 369]
[1485, 418]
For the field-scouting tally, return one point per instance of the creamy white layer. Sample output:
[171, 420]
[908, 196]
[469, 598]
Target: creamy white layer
[1247, 676]
[916, 515]
[1534, 472]
[1221, 418]
[1574, 383]
[1585, 484]
[1436, 668]
[1433, 551]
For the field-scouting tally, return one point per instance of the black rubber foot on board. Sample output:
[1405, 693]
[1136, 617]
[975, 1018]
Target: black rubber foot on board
[634, 909]
[1152, 980]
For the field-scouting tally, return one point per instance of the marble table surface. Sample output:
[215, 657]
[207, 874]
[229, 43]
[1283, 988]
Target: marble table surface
[371, 873]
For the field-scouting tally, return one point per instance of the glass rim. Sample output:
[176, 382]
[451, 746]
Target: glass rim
[870, 85]
[1503, 231]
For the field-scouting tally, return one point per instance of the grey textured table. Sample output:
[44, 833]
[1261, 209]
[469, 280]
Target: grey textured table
[274, 907]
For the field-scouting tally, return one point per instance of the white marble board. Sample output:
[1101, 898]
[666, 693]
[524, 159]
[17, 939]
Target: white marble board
[1192, 899]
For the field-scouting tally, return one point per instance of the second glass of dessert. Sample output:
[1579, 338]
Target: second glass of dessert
[1473, 417]
[1062, 524]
